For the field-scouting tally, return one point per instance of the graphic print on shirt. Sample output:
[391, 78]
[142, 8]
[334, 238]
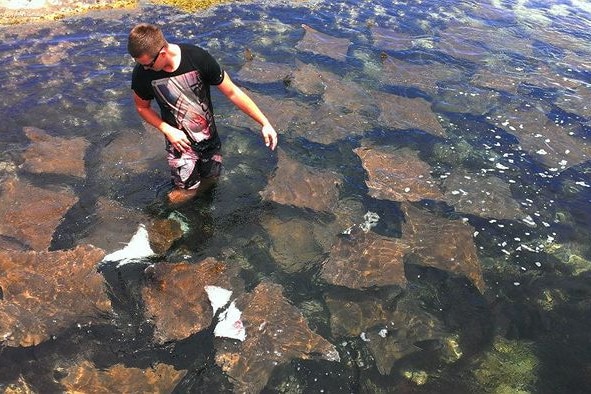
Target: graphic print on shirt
[191, 112]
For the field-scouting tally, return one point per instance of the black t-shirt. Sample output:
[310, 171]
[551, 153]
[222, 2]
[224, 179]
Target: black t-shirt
[184, 95]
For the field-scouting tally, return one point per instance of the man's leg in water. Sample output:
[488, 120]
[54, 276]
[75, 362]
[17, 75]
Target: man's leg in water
[179, 195]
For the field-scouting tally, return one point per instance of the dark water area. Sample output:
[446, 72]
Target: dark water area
[464, 126]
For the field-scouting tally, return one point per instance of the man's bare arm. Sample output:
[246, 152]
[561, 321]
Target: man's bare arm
[246, 105]
[177, 137]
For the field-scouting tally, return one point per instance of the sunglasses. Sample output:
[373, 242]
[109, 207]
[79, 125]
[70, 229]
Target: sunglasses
[151, 64]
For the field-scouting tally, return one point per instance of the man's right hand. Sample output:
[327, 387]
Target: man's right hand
[177, 138]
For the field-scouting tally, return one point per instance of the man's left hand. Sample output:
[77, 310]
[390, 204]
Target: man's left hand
[270, 136]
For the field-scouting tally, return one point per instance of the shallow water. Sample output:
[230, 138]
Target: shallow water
[508, 87]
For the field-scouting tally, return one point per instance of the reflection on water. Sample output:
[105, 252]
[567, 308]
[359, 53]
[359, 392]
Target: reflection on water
[460, 128]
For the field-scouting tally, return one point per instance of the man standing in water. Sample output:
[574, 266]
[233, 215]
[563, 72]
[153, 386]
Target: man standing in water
[179, 77]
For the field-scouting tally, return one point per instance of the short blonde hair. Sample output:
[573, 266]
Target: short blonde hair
[145, 39]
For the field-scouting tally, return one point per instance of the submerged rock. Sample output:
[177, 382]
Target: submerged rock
[43, 293]
[54, 155]
[276, 333]
[31, 214]
[323, 44]
[398, 175]
[302, 186]
[176, 300]
[160, 378]
[509, 366]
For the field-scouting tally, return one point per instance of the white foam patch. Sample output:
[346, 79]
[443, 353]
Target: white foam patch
[218, 297]
[138, 248]
[230, 325]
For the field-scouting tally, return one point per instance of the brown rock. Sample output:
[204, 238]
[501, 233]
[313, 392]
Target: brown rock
[276, 333]
[47, 292]
[31, 214]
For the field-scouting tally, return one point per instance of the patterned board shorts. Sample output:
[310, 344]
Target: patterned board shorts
[189, 168]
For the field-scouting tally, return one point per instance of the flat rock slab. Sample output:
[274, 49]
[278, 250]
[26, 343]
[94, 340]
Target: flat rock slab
[44, 293]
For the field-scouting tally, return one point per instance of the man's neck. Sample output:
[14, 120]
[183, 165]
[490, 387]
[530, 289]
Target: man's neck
[173, 58]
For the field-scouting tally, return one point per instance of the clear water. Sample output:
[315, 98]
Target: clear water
[529, 331]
